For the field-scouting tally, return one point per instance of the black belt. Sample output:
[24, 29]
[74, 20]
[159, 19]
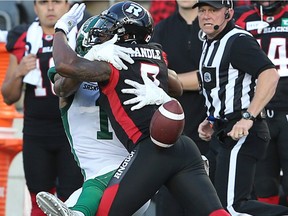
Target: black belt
[236, 115]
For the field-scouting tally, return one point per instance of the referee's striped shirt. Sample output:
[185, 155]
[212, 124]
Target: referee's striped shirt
[229, 67]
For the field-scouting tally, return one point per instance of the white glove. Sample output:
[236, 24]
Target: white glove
[111, 53]
[146, 94]
[70, 19]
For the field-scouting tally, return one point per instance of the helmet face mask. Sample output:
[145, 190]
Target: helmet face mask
[129, 20]
[98, 36]
[82, 42]
[103, 30]
[271, 8]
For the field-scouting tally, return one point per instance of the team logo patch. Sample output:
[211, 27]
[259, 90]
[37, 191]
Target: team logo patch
[70, 23]
[48, 37]
[207, 77]
[270, 19]
[284, 22]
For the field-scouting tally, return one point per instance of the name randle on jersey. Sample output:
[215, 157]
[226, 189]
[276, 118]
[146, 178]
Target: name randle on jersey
[147, 53]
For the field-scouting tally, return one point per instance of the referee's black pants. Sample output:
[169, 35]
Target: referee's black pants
[235, 169]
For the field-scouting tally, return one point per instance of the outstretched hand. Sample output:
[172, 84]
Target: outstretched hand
[70, 19]
[146, 94]
[111, 53]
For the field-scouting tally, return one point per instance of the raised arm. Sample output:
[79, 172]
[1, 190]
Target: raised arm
[68, 64]
[95, 66]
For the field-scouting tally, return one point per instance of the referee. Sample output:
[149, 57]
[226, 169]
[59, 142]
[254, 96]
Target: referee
[230, 64]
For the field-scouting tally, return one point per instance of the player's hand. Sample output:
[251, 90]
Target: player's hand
[111, 53]
[27, 64]
[146, 94]
[71, 18]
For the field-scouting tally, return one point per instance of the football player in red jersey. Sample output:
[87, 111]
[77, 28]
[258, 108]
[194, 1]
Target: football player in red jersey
[267, 21]
[140, 176]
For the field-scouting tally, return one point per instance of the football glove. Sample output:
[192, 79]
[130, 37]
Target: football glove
[111, 53]
[146, 94]
[71, 18]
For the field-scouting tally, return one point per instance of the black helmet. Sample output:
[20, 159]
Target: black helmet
[129, 20]
[271, 8]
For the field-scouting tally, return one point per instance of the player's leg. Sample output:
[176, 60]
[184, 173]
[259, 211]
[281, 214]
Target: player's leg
[91, 195]
[82, 202]
[72, 200]
[201, 198]
[69, 176]
[86, 202]
[39, 169]
[149, 167]
[51, 205]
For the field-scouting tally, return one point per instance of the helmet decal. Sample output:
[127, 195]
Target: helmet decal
[132, 9]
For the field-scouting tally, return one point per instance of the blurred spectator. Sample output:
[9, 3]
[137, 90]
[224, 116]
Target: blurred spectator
[48, 162]
[160, 9]
[242, 2]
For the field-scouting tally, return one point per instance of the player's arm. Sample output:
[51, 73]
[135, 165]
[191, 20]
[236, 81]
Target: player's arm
[97, 68]
[65, 87]
[68, 64]
[190, 80]
[13, 82]
[175, 88]
[148, 93]
[62, 86]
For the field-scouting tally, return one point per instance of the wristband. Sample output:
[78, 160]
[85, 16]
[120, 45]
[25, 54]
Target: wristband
[59, 30]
